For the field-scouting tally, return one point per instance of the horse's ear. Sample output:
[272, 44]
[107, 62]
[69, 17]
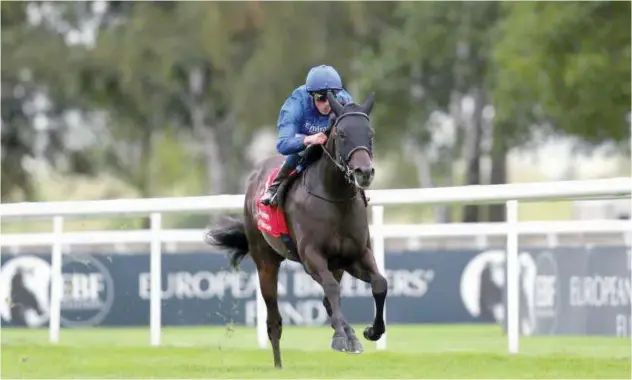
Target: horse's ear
[367, 106]
[332, 122]
[334, 103]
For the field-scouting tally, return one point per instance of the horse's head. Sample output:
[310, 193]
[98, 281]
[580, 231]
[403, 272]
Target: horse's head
[352, 137]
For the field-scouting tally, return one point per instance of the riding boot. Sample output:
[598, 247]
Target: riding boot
[270, 197]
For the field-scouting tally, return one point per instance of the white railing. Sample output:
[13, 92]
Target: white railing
[534, 191]
[510, 193]
[389, 231]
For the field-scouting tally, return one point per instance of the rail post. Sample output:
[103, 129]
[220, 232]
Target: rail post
[378, 251]
[513, 276]
[155, 273]
[56, 280]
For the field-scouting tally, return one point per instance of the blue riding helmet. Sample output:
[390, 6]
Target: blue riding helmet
[321, 78]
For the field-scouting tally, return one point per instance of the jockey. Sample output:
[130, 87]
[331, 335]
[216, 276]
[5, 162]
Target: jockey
[303, 119]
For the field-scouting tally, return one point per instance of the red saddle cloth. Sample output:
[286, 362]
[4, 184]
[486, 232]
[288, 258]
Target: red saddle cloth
[271, 219]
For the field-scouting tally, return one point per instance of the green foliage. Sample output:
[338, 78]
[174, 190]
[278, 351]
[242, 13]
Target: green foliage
[28, 78]
[569, 62]
[172, 92]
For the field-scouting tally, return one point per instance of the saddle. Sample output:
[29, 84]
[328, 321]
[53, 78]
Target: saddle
[271, 219]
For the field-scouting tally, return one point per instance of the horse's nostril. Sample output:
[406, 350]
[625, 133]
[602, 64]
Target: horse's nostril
[364, 171]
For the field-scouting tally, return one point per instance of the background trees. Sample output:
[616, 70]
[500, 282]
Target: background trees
[174, 97]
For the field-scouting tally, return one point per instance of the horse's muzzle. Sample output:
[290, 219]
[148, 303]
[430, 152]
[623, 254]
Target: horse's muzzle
[363, 176]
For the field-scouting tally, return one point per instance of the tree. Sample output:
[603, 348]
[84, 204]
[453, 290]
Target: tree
[37, 67]
[569, 63]
[434, 56]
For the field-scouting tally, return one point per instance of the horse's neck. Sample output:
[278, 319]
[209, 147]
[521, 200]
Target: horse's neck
[330, 179]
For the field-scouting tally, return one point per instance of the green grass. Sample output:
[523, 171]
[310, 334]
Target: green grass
[413, 352]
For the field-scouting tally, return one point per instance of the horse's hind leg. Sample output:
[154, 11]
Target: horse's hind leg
[268, 263]
[366, 270]
[353, 343]
[316, 266]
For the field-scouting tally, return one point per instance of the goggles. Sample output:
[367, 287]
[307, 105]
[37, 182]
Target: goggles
[321, 96]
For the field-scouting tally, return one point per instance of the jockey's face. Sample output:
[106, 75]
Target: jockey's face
[321, 103]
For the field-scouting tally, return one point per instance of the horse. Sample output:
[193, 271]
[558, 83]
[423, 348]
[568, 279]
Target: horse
[321, 222]
[22, 298]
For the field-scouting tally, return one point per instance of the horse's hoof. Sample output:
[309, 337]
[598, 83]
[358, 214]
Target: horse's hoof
[371, 334]
[339, 343]
[355, 347]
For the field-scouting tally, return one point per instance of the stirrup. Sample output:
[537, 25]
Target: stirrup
[268, 197]
[274, 200]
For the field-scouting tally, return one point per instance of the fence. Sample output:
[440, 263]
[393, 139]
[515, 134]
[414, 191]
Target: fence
[510, 193]
[476, 230]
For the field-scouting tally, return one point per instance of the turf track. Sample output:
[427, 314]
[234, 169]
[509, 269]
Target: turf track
[414, 352]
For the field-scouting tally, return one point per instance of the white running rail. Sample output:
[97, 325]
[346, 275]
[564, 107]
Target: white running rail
[509, 193]
[389, 231]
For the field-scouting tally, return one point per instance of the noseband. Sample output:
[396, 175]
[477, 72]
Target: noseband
[341, 162]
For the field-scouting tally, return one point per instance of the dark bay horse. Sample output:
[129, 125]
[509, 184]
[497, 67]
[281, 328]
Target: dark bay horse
[326, 213]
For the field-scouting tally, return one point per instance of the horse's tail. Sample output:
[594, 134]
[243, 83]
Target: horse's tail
[230, 235]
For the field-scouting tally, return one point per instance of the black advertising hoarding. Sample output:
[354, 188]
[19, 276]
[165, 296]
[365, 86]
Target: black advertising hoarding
[428, 286]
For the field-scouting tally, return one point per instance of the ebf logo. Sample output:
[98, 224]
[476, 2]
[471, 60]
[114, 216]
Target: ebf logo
[87, 291]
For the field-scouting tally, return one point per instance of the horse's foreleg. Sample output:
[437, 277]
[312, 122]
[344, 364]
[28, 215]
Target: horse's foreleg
[316, 266]
[366, 270]
[268, 276]
[353, 344]
[338, 276]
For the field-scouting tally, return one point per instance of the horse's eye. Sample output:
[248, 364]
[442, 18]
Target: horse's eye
[341, 134]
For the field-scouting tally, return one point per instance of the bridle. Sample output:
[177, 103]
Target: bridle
[342, 162]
